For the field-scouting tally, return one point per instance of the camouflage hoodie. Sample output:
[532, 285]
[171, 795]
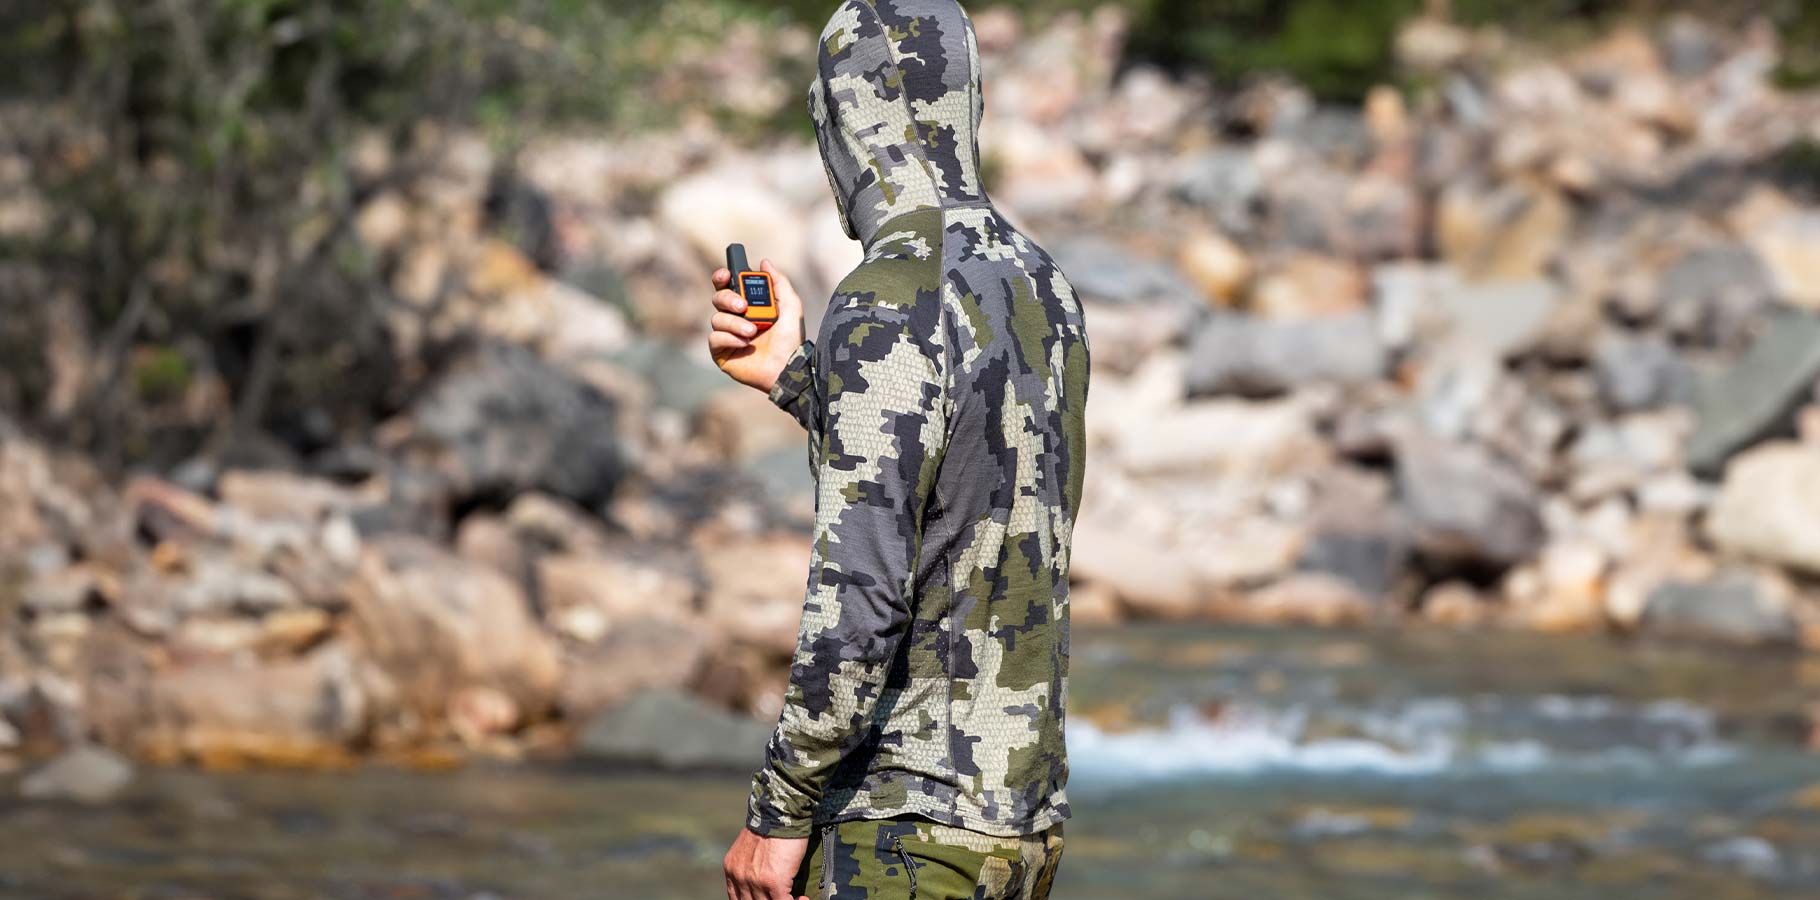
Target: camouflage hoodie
[944, 400]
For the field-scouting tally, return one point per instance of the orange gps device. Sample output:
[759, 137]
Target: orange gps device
[755, 287]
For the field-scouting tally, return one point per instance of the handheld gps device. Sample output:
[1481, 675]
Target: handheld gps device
[754, 286]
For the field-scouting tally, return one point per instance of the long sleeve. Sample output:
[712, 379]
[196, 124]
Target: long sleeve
[872, 401]
[797, 393]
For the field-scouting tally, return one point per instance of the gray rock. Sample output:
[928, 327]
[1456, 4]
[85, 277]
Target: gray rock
[1689, 46]
[672, 730]
[678, 381]
[85, 774]
[1504, 318]
[1639, 371]
[1746, 853]
[1466, 509]
[1730, 607]
[1257, 357]
[513, 422]
[1104, 272]
[1757, 397]
[1715, 295]
[1226, 183]
[1370, 561]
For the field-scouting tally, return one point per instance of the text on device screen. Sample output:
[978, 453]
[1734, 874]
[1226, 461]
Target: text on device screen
[758, 290]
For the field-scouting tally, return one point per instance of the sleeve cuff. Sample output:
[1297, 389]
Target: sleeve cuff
[798, 376]
[763, 817]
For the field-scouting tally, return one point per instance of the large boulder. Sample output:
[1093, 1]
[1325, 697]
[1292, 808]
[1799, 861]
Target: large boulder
[1255, 357]
[639, 655]
[1769, 506]
[673, 730]
[505, 422]
[309, 711]
[1756, 397]
[1466, 509]
[755, 585]
[1233, 437]
[585, 597]
[437, 623]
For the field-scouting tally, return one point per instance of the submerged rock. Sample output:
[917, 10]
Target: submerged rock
[85, 774]
[672, 730]
[1733, 606]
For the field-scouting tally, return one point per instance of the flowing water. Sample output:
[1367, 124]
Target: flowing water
[1208, 763]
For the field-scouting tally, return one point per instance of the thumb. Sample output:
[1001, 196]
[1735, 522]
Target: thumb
[788, 302]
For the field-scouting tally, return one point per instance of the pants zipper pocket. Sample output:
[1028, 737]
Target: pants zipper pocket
[827, 861]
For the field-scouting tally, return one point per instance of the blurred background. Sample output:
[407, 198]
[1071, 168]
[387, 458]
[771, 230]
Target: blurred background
[374, 525]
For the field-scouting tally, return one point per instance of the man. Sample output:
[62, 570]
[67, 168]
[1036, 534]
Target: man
[920, 751]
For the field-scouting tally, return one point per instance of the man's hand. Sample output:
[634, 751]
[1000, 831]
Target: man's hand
[746, 356]
[762, 868]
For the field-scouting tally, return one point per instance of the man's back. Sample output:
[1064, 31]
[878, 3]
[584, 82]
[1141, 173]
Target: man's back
[944, 398]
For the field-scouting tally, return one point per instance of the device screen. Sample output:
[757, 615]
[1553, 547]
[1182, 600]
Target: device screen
[758, 290]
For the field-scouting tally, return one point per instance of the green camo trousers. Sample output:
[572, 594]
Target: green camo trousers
[915, 859]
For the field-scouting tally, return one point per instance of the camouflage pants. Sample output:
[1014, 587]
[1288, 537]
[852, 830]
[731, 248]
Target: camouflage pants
[915, 859]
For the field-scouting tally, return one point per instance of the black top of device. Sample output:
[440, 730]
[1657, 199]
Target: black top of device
[736, 259]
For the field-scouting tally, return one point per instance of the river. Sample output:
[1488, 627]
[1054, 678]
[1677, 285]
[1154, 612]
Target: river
[1208, 763]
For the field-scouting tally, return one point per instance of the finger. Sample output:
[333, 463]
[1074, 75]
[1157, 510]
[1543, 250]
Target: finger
[722, 342]
[722, 278]
[727, 301]
[733, 324]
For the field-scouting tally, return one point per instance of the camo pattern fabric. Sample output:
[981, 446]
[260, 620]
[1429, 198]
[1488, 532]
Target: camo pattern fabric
[909, 859]
[944, 398]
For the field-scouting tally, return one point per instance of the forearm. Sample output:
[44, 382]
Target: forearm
[796, 392]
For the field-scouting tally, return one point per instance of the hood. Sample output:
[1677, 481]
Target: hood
[897, 107]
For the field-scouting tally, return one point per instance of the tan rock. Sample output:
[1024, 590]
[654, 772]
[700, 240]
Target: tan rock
[1153, 581]
[487, 539]
[637, 655]
[1790, 247]
[1233, 437]
[585, 597]
[1093, 603]
[228, 713]
[554, 523]
[1455, 604]
[742, 424]
[266, 494]
[479, 714]
[436, 623]
[1308, 599]
[1769, 506]
[1216, 265]
[1563, 591]
[1310, 286]
[1511, 234]
[755, 585]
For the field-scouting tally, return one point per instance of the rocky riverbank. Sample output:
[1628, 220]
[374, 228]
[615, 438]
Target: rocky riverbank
[1533, 343]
